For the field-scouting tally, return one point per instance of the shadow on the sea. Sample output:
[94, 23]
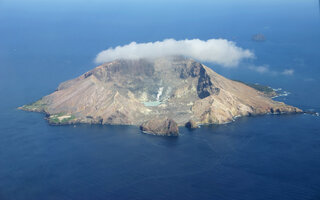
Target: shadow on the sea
[168, 141]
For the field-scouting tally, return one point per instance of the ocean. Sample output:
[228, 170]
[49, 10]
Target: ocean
[44, 43]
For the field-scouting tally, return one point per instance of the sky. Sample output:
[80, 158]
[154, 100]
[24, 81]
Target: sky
[77, 31]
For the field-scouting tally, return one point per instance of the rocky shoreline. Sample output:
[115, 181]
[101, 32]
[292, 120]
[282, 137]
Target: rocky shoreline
[159, 126]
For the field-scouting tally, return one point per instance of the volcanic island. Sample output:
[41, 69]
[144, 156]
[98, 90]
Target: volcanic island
[158, 95]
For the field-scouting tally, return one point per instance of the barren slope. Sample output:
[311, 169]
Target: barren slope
[133, 91]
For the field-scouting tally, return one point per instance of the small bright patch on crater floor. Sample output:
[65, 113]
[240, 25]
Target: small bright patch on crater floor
[152, 103]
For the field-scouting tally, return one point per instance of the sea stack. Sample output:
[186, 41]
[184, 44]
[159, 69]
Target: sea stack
[160, 126]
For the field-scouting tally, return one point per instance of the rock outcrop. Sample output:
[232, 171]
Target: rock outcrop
[131, 92]
[191, 124]
[160, 126]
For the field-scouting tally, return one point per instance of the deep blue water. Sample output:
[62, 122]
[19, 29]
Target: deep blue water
[269, 157]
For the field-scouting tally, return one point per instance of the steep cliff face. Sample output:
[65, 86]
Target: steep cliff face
[134, 91]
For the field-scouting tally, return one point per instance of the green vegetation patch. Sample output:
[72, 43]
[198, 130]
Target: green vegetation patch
[262, 88]
[61, 118]
[36, 106]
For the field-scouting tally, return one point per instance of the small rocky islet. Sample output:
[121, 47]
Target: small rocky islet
[258, 37]
[158, 95]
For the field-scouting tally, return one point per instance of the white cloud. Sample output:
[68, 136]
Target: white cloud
[261, 69]
[288, 72]
[219, 51]
[309, 79]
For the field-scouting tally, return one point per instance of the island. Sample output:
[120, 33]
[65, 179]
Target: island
[158, 95]
[258, 37]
